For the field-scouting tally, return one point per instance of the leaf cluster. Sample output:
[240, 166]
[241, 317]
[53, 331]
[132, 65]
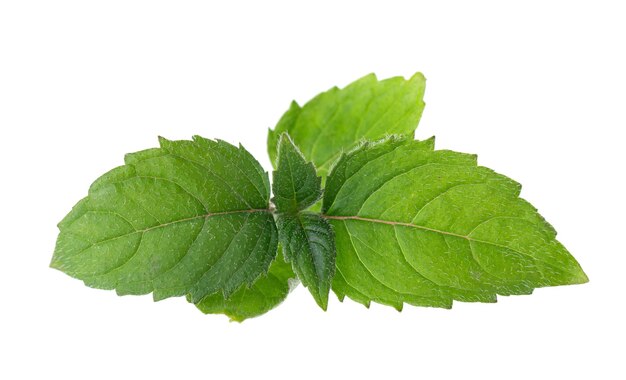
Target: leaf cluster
[356, 206]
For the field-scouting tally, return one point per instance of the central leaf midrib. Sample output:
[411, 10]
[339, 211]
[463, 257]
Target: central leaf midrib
[392, 223]
[424, 228]
[203, 216]
[417, 226]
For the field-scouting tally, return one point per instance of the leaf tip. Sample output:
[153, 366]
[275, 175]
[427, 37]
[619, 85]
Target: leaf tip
[162, 141]
[283, 138]
[55, 263]
[198, 138]
[418, 77]
[369, 77]
[431, 142]
[340, 297]
[322, 301]
[580, 277]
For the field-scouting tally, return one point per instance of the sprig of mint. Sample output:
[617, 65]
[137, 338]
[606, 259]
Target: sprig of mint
[396, 222]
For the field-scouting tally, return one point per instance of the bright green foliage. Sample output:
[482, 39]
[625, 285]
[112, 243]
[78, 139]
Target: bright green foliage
[265, 294]
[188, 217]
[336, 120]
[309, 244]
[306, 238]
[295, 184]
[400, 221]
[428, 227]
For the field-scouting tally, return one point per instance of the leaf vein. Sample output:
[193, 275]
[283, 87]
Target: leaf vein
[222, 255]
[170, 223]
[201, 165]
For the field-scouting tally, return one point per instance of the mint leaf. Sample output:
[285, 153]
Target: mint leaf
[400, 222]
[309, 244]
[267, 292]
[336, 120]
[425, 227]
[188, 217]
[307, 239]
[296, 186]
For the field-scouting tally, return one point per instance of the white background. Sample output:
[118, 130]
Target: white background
[537, 89]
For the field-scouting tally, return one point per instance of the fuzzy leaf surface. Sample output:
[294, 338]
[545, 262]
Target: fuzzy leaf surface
[267, 292]
[189, 217]
[307, 239]
[425, 227]
[336, 120]
[295, 184]
[308, 242]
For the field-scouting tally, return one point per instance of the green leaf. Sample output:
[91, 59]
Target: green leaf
[266, 293]
[427, 227]
[306, 238]
[309, 244]
[336, 120]
[296, 186]
[188, 217]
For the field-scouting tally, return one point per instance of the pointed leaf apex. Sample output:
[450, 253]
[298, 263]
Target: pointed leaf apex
[162, 141]
[296, 184]
[418, 76]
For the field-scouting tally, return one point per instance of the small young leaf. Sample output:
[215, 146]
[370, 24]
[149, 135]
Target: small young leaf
[427, 227]
[188, 217]
[296, 186]
[309, 244]
[267, 292]
[336, 120]
[307, 239]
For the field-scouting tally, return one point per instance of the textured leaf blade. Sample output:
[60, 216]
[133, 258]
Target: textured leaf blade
[424, 227]
[188, 217]
[267, 292]
[336, 120]
[309, 244]
[307, 239]
[296, 186]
